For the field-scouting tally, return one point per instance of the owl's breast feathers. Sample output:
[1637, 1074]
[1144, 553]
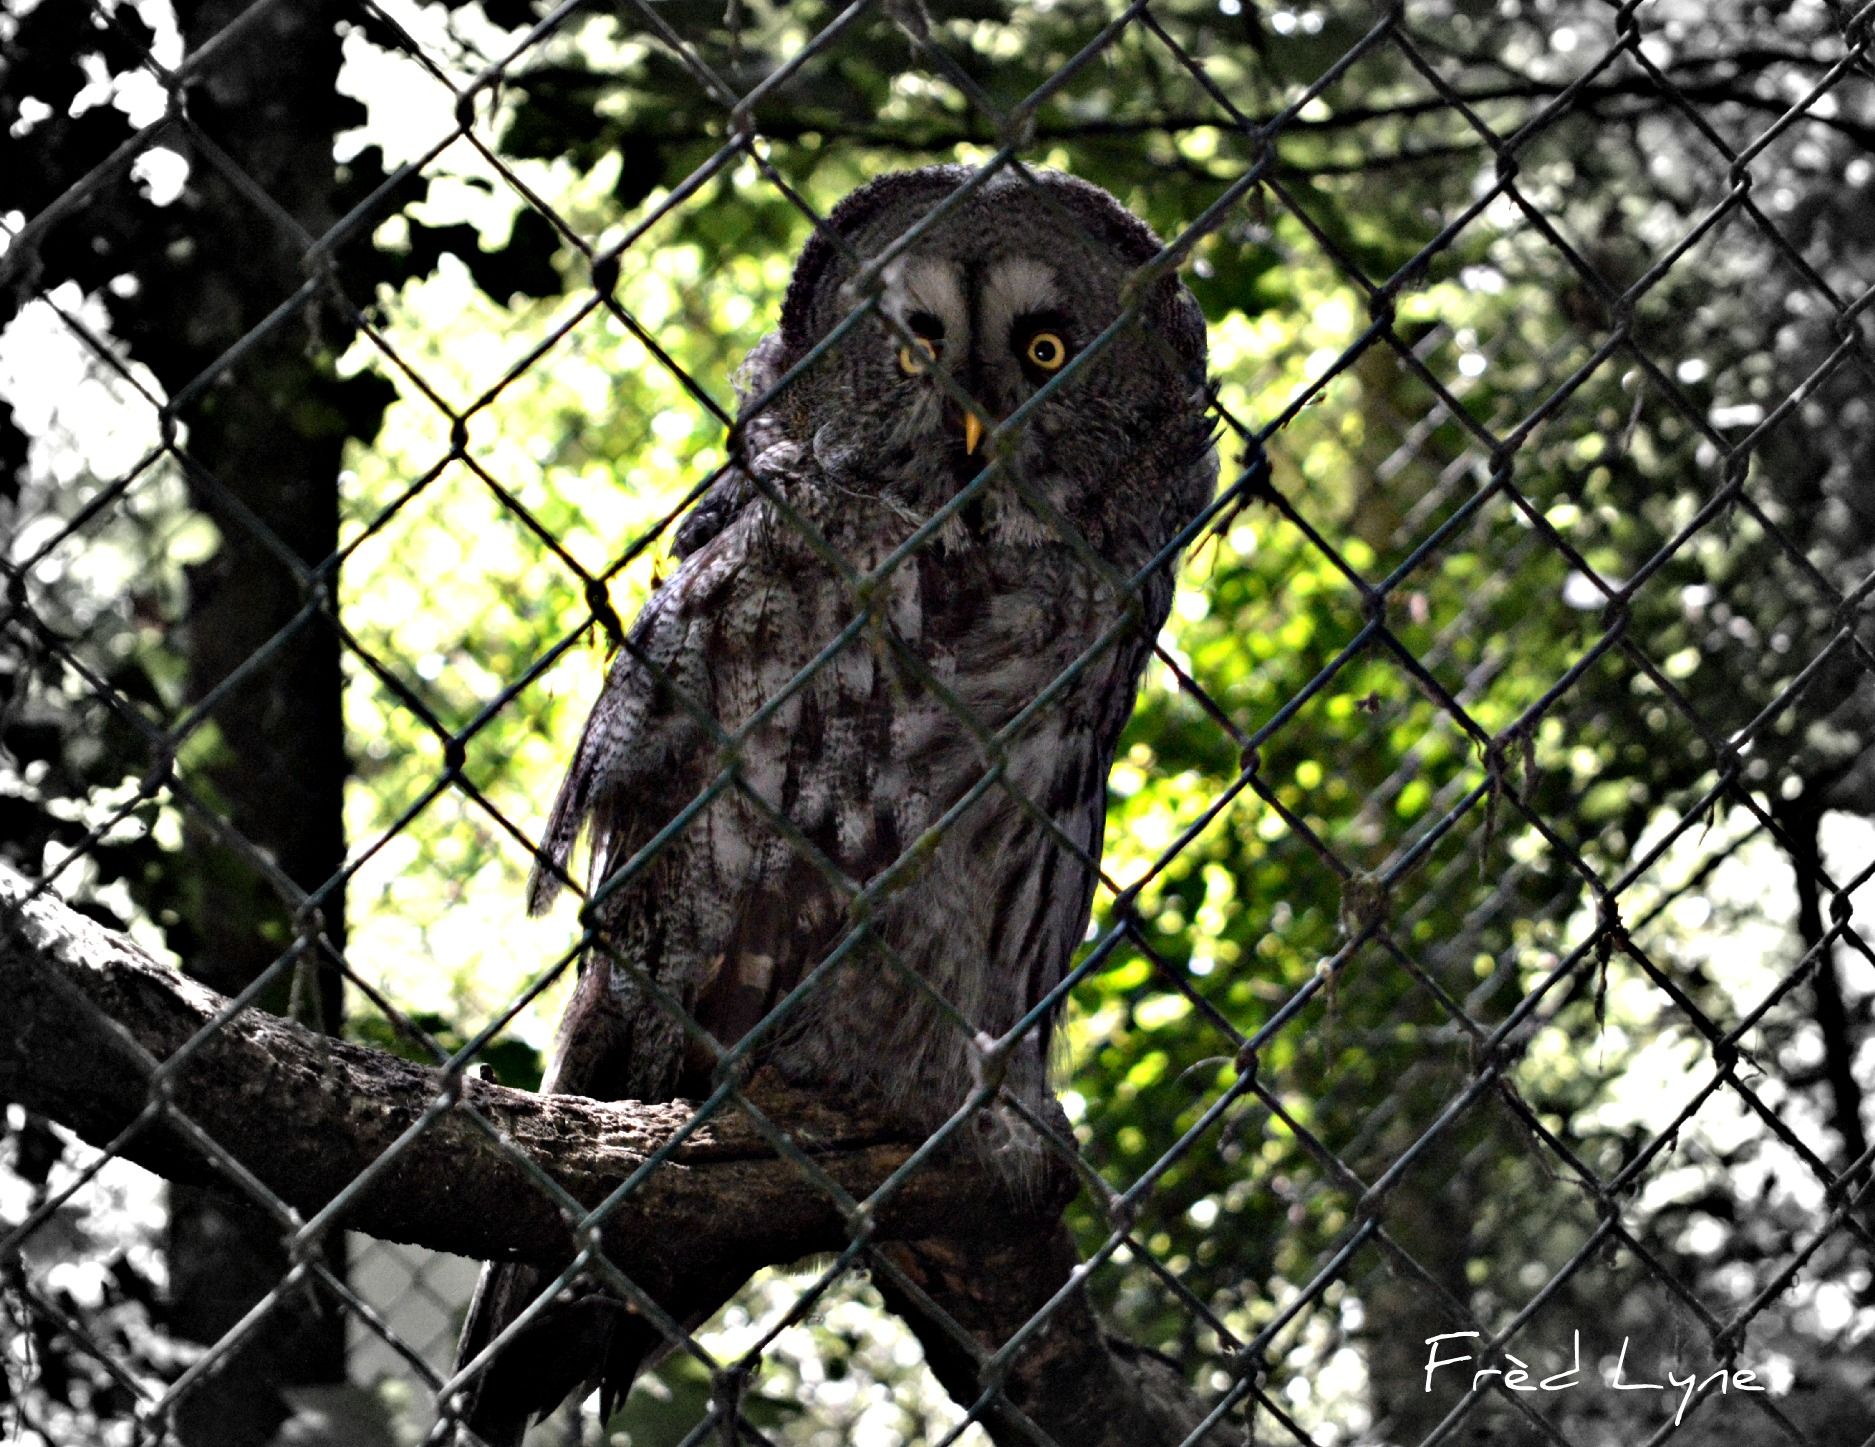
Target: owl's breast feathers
[823, 778]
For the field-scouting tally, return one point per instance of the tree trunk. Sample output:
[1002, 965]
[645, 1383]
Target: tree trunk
[264, 442]
[1803, 825]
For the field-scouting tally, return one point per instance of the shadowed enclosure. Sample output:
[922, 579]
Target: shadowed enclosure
[1478, 946]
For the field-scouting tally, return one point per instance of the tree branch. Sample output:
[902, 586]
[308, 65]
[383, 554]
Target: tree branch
[1716, 79]
[131, 1055]
[992, 1291]
[154, 1067]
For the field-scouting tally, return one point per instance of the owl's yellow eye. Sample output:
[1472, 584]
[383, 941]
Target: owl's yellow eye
[913, 360]
[1047, 351]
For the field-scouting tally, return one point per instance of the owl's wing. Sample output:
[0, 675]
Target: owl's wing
[646, 726]
[758, 431]
[641, 723]
[636, 760]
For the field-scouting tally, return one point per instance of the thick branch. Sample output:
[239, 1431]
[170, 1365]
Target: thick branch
[313, 1118]
[122, 1050]
[1709, 80]
[1074, 1380]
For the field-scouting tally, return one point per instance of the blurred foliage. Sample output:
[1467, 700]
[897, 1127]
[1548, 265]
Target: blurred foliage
[1507, 683]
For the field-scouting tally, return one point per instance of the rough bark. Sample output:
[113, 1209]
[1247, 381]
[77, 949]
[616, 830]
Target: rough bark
[309, 1116]
[992, 1290]
[100, 1031]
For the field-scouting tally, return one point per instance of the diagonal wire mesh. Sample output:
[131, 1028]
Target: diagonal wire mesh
[1478, 981]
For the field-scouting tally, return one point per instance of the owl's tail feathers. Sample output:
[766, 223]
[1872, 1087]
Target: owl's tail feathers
[586, 1338]
[571, 1346]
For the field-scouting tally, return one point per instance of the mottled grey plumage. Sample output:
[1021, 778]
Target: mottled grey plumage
[864, 757]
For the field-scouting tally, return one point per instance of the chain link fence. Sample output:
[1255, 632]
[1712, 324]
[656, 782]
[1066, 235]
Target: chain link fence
[1478, 969]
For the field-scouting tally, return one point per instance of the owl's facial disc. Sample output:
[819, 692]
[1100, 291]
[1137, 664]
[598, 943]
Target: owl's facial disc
[1001, 328]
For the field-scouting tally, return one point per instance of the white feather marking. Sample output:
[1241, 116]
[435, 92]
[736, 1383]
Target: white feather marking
[925, 284]
[1014, 287]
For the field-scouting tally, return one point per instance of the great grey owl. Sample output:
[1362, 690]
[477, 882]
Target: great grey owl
[1007, 643]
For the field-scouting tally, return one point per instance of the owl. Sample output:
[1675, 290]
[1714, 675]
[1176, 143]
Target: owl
[845, 783]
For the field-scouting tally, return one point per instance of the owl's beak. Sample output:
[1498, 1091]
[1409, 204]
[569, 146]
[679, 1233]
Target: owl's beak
[973, 433]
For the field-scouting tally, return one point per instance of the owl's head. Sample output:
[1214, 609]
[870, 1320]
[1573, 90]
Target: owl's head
[1000, 291]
